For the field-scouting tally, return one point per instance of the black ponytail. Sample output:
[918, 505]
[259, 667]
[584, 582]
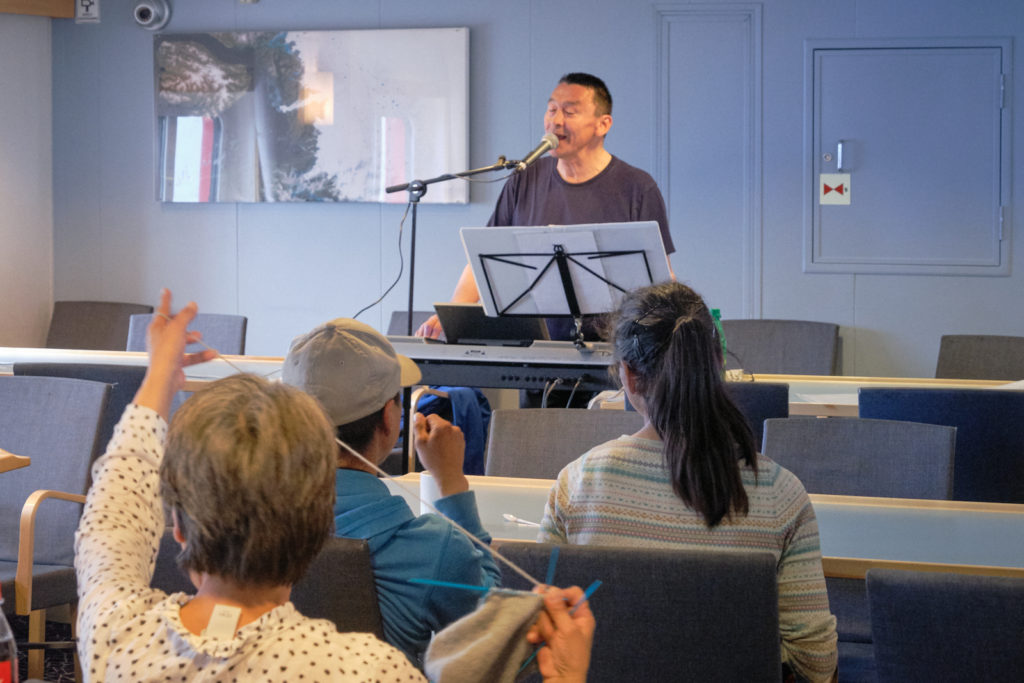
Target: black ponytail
[666, 335]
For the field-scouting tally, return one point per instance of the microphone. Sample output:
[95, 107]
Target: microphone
[548, 142]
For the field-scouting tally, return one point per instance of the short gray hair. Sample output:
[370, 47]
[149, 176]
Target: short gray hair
[249, 472]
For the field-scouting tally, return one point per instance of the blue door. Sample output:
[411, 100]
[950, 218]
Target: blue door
[908, 157]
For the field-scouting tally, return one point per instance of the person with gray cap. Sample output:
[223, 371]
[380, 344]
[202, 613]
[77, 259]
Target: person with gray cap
[356, 375]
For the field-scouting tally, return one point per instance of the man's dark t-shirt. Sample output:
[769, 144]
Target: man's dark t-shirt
[619, 193]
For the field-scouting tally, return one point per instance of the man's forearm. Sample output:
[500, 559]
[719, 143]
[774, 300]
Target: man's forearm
[466, 290]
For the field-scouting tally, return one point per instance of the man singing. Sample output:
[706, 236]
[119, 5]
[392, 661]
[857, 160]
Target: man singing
[578, 182]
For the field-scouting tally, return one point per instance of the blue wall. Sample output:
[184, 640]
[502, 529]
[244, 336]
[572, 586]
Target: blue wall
[289, 267]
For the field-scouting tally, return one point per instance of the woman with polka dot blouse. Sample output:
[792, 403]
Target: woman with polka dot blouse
[248, 475]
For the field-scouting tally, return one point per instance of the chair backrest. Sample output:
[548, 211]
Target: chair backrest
[222, 331]
[980, 356]
[338, 585]
[851, 456]
[55, 421]
[95, 325]
[989, 434]
[670, 615]
[848, 602]
[782, 347]
[538, 443]
[946, 627]
[399, 325]
[759, 401]
[124, 381]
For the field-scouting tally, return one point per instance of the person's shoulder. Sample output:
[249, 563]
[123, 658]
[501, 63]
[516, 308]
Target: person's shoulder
[294, 622]
[771, 473]
[777, 484]
[363, 656]
[624, 169]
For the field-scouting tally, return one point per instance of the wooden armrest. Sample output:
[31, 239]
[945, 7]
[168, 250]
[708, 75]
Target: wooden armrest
[9, 461]
[26, 545]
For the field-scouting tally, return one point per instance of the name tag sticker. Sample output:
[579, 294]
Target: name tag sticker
[223, 622]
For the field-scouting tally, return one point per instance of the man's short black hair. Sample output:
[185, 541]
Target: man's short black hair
[359, 433]
[602, 98]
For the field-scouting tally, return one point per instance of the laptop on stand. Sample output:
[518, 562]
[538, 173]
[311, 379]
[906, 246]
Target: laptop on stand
[467, 324]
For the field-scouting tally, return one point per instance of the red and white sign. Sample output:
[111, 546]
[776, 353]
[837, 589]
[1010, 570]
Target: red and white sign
[834, 188]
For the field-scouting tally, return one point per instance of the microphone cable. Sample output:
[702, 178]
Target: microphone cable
[401, 254]
[401, 265]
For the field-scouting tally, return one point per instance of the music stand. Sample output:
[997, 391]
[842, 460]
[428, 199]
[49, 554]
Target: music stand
[563, 270]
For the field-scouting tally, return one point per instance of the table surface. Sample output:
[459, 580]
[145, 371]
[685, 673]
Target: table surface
[836, 396]
[857, 533]
[808, 394]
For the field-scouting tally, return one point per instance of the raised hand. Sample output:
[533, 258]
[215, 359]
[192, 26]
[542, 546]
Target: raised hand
[166, 339]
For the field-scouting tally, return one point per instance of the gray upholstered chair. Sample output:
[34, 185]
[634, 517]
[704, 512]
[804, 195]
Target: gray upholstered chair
[782, 347]
[848, 601]
[759, 401]
[55, 422]
[669, 615]
[538, 443]
[859, 457]
[94, 325]
[946, 627]
[851, 456]
[222, 331]
[338, 585]
[989, 439]
[980, 356]
[124, 381]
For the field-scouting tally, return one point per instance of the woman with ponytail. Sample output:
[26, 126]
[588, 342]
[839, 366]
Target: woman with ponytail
[692, 475]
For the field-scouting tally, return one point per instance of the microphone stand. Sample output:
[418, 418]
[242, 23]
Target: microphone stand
[416, 189]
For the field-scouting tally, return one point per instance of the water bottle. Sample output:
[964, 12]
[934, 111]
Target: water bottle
[8, 650]
[716, 318]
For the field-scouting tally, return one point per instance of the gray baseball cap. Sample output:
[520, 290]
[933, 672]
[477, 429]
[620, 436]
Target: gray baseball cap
[351, 368]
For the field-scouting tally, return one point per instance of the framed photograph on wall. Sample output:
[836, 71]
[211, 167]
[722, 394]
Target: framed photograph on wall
[294, 116]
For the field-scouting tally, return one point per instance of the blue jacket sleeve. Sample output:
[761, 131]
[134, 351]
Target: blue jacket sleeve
[462, 561]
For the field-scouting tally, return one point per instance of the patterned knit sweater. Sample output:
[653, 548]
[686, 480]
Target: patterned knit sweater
[619, 493]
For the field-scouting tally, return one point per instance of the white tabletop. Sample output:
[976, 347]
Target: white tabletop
[856, 533]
